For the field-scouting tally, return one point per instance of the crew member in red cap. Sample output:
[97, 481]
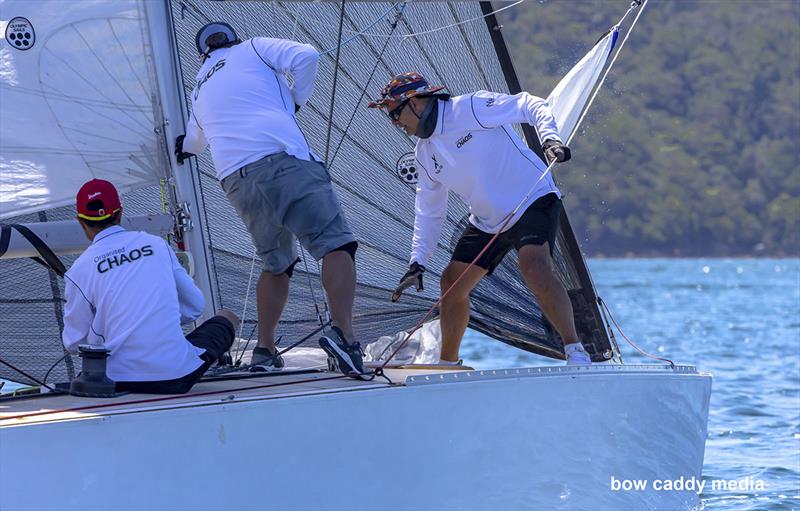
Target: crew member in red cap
[128, 292]
[467, 144]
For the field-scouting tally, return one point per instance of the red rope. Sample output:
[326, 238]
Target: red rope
[166, 398]
[671, 363]
[447, 291]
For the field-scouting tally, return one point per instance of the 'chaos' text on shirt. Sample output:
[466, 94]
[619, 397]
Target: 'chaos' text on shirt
[118, 260]
[219, 65]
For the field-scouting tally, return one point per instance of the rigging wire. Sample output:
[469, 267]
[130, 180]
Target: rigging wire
[635, 4]
[437, 29]
[364, 30]
[335, 82]
[398, 16]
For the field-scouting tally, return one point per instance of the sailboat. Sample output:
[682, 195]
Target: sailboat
[100, 89]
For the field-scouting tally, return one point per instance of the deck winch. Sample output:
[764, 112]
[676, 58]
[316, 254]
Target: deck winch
[92, 380]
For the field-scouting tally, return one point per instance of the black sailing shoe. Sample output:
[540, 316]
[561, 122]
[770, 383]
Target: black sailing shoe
[348, 357]
[265, 361]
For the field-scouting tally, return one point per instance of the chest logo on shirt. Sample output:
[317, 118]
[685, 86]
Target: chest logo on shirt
[489, 102]
[115, 261]
[463, 140]
[219, 65]
[437, 167]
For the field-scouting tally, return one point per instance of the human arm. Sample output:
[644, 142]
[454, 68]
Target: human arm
[78, 316]
[430, 208]
[192, 143]
[284, 56]
[487, 110]
[190, 299]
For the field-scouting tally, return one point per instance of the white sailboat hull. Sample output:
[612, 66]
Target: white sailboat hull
[544, 438]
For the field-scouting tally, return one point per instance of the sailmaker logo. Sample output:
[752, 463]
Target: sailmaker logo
[20, 33]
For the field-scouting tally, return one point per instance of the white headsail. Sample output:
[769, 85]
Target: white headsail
[77, 101]
[570, 96]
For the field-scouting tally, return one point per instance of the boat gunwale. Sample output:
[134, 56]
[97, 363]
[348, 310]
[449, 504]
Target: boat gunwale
[229, 396]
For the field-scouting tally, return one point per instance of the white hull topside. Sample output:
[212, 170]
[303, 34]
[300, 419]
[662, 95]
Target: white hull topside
[539, 438]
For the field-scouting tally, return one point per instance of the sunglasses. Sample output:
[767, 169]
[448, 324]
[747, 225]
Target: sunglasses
[394, 114]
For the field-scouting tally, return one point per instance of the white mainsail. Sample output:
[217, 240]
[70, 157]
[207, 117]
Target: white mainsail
[78, 101]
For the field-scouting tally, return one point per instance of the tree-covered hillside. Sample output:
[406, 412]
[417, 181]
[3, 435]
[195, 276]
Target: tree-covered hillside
[693, 146]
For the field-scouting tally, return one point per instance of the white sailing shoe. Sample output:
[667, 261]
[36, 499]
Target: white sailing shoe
[576, 355]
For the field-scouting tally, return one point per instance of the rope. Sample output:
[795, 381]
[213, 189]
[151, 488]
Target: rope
[670, 362]
[311, 285]
[335, 79]
[246, 299]
[23, 373]
[511, 215]
[167, 398]
[238, 362]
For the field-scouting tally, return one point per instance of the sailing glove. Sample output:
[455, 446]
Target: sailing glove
[413, 277]
[555, 150]
[179, 154]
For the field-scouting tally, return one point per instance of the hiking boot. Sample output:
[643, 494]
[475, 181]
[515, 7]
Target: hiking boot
[348, 356]
[576, 355]
[264, 360]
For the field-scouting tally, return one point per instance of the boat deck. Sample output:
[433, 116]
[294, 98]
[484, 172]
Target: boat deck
[305, 374]
[212, 391]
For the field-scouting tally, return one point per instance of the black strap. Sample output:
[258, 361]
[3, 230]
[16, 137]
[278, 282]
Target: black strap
[48, 259]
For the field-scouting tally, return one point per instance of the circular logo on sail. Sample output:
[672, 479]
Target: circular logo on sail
[20, 33]
[407, 168]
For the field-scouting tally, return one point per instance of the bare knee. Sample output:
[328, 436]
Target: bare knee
[230, 316]
[456, 289]
[535, 263]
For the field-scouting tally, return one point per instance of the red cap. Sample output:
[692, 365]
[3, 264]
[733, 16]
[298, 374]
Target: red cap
[103, 198]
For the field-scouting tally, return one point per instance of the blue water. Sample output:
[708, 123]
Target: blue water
[737, 319]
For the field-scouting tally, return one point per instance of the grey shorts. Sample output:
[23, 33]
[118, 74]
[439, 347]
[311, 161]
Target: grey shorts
[281, 199]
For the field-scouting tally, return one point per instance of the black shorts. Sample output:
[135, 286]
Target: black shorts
[215, 336]
[538, 224]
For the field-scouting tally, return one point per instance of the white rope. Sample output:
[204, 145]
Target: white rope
[246, 297]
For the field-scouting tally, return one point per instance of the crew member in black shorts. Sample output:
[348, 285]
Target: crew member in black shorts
[466, 144]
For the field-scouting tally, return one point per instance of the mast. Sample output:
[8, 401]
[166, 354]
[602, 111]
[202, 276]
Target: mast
[188, 196]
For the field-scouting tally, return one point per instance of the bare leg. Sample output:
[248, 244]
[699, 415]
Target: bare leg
[537, 270]
[454, 315]
[339, 281]
[272, 291]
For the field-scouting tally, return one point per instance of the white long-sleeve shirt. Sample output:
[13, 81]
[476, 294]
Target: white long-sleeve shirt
[243, 106]
[475, 152]
[128, 292]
